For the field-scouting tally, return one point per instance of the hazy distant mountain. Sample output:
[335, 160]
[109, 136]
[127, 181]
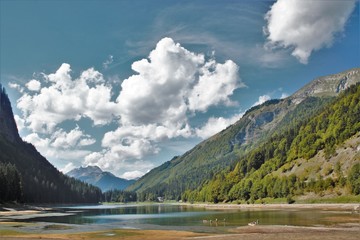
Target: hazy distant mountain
[95, 176]
[25, 175]
[221, 152]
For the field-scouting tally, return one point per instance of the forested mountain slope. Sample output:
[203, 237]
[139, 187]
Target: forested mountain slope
[223, 150]
[26, 176]
[319, 154]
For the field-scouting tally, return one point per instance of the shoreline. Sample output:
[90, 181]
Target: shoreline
[279, 206]
[13, 225]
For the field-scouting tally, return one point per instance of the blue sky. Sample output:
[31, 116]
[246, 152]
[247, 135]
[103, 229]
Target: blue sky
[127, 85]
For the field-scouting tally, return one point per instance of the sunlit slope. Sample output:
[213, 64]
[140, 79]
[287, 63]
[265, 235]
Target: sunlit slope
[223, 150]
[318, 155]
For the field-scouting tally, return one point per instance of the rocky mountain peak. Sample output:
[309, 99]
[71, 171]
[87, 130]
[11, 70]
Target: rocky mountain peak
[330, 85]
[8, 126]
[102, 179]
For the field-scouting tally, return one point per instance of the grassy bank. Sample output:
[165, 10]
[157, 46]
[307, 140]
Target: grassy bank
[338, 199]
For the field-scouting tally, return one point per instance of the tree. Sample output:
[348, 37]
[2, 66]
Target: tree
[354, 179]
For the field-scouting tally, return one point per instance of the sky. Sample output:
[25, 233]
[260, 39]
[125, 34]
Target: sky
[127, 85]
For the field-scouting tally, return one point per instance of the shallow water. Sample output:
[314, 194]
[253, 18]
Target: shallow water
[133, 215]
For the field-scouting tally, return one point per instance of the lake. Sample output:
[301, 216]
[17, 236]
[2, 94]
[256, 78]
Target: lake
[171, 216]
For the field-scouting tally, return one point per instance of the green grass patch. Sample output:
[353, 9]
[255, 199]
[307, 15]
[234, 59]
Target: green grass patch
[339, 199]
[5, 232]
[271, 201]
[57, 227]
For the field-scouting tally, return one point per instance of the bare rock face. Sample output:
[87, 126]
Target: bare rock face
[328, 86]
[8, 126]
[266, 117]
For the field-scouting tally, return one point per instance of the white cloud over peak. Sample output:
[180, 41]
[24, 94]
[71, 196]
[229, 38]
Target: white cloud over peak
[262, 99]
[113, 162]
[68, 167]
[215, 125]
[132, 174]
[284, 95]
[306, 26]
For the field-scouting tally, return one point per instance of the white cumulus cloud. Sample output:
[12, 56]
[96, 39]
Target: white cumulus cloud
[262, 99]
[68, 167]
[155, 102]
[16, 86]
[284, 95]
[110, 161]
[132, 174]
[67, 99]
[74, 138]
[215, 125]
[171, 82]
[216, 83]
[19, 122]
[306, 26]
[34, 85]
[61, 144]
[152, 106]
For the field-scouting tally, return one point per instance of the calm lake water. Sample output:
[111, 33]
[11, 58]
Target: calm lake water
[181, 216]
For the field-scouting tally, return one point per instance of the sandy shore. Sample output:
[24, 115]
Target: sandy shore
[244, 233]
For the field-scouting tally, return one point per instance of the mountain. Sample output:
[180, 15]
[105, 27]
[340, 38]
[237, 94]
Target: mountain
[223, 150]
[318, 156]
[8, 126]
[26, 176]
[95, 176]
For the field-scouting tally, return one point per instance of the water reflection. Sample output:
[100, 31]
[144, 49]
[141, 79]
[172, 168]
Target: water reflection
[177, 215]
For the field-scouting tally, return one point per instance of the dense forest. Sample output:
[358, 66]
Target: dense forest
[32, 179]
[119, 196]
[11, 184]
[252, 177]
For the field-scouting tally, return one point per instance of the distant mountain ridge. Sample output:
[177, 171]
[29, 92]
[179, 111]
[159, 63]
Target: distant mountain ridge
[221, 151]
[104, 180]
